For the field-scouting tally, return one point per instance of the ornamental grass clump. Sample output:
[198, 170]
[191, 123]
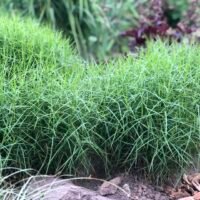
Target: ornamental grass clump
[58, 114]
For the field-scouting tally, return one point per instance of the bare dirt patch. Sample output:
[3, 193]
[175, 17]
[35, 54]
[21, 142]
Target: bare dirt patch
[139, 189]
[123, 187]
[51, 188]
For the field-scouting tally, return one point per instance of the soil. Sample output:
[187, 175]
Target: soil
[61, 189]
[140, 189]
[121, 187]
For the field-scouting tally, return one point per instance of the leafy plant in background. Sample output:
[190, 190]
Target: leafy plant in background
[121, 15]
[174, 10]
[166, 19]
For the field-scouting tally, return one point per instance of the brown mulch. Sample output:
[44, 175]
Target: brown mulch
[189, 189]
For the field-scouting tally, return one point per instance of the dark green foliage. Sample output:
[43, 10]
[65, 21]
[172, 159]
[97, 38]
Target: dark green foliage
[174, 11]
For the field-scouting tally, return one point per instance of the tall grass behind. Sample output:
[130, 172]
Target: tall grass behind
[78, 19]
[58, 114]
[93, 26]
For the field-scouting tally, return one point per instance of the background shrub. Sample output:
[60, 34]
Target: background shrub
[93, 25]
[72, 117]
[79, 18]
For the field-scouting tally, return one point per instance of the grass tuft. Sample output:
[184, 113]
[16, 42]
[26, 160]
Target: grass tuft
[58, 114]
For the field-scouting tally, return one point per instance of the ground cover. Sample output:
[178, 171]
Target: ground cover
[59, 114]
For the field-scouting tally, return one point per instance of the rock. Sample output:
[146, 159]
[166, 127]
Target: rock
[51, 188]
[157, 196]
[186, 198]
[109, 187]
[197, 196]
[126, 187]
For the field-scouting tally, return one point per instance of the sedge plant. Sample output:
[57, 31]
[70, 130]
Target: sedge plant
[59, 114]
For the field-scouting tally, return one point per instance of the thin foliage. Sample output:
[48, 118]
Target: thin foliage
[61, 115]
